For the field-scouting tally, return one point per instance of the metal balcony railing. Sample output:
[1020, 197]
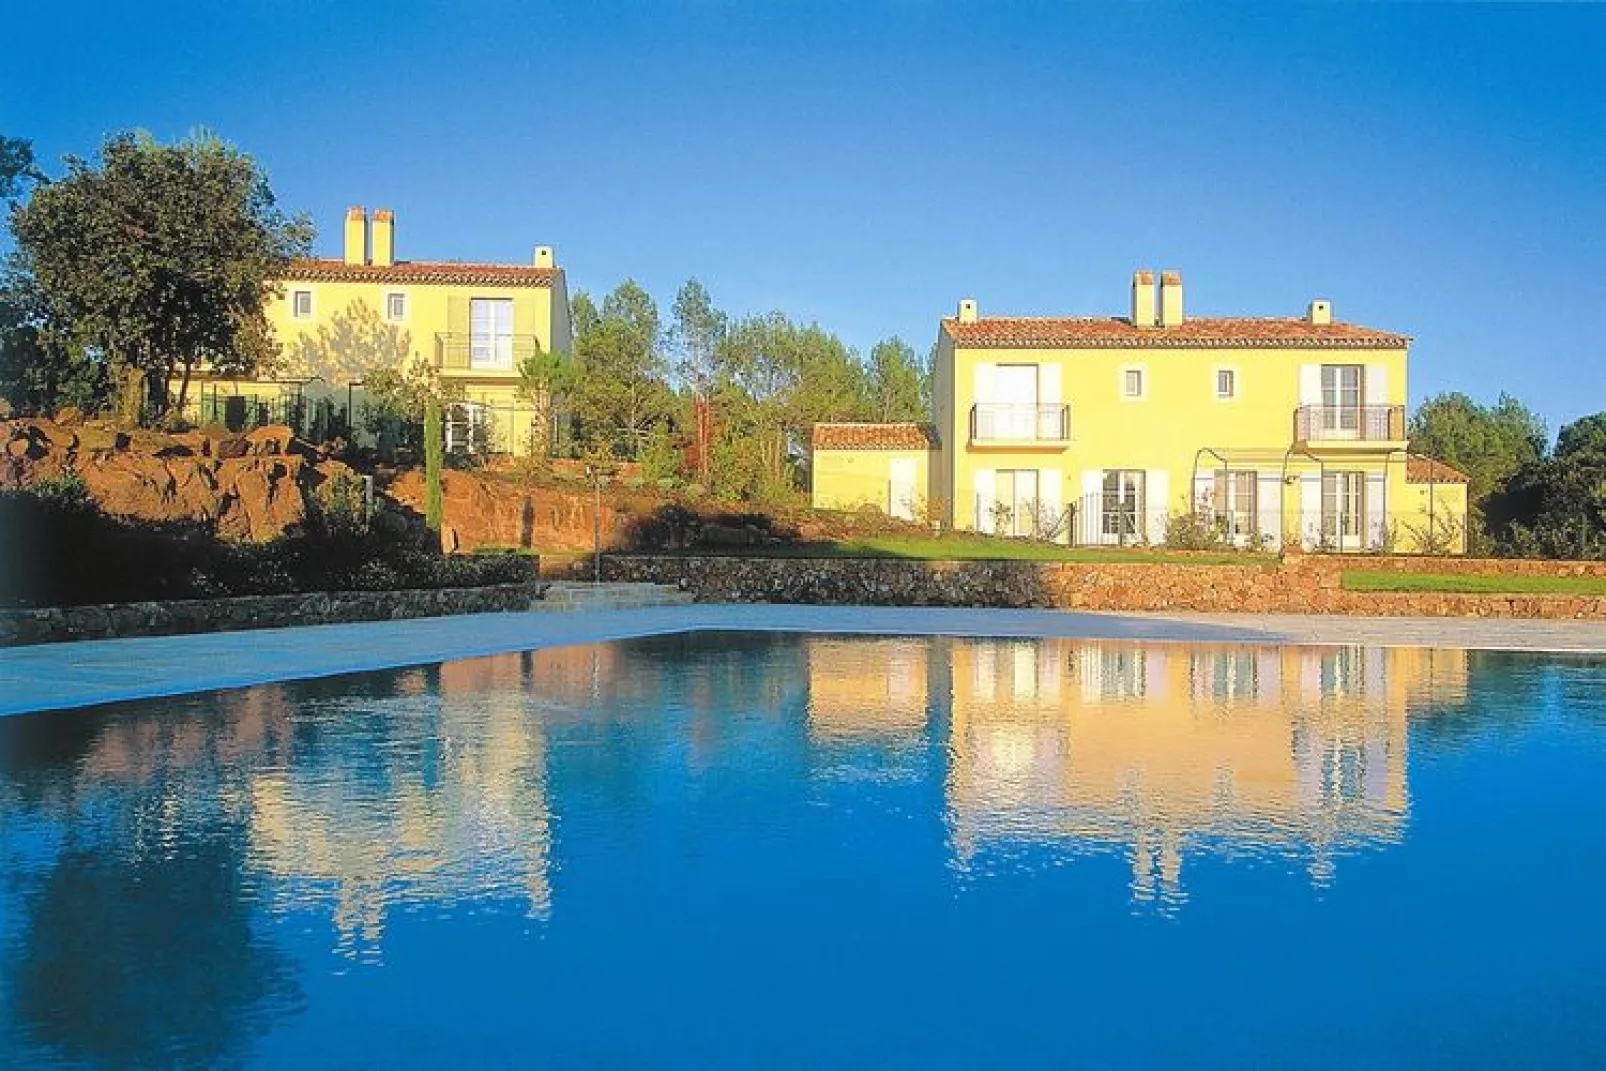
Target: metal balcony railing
[1349, 423]
[1005, 422]
[466, 352]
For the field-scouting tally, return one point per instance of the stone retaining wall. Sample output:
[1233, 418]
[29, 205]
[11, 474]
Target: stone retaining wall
[56, 623]
[1303, 584]
[1416, 563]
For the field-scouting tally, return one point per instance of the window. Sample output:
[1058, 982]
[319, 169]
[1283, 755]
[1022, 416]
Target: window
[1226, 383]
[1121, 507]
[301, 304]
[1015, 512]
[395, 307]
[490, 333]
[1123, 673]
[1343, 502]
[1235, 502]
[468, 428]
[1341, 399]
[1132, 382]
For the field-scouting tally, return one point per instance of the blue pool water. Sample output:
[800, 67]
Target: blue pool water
[783, 850]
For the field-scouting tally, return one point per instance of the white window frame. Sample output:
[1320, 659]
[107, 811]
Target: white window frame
[1237, 503]
[490, 339]
[1232, 383]
[1124, 383]
[1128, 501]
[395, 295]
[1023, 488]
[295, 303]
[1344, 508]
[1343, 400]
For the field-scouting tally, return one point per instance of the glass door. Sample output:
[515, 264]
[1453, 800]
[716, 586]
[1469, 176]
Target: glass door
[491, 333]
[1016, 512]
[1341, 401]
[1343, 509]
[1121, 507]
[1016, 388]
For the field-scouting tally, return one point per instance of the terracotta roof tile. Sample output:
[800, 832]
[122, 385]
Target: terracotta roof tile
[1115, 332]
[445, 273]
[1419, 469]
[873, 437]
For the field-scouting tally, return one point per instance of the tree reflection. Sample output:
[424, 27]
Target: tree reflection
[127, 963]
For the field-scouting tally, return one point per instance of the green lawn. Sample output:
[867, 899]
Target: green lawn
[977, 548]
[1361, 580]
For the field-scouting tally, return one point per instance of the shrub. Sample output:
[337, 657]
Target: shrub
[342, 505]
[1190, 530]
[66, 491]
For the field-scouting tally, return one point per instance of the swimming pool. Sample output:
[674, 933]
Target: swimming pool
[740, 849]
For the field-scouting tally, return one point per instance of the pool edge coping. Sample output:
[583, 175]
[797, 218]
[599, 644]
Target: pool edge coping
[462, 637]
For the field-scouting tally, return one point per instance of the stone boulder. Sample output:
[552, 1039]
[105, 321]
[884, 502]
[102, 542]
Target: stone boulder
[483, 511]
[250, 487]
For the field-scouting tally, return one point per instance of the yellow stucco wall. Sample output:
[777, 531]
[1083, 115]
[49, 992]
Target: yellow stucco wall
[1178, 422]
[349, 332]
[1432, 518]
[852, 479]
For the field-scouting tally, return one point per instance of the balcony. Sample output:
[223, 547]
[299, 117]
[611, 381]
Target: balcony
[1340, 425]
[462, 353]
[1017, 425]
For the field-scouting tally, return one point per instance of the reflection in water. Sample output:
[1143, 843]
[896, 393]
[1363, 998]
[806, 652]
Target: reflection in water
[1166, 749]
[175, 872]
[436, 794]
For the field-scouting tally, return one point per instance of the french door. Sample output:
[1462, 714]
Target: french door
[490, 333]
[1343, 509]
[1016, 514]
[1121, 507]
[1341, 400]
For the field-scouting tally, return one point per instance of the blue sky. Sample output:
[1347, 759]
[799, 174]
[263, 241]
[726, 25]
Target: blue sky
[1433, 169]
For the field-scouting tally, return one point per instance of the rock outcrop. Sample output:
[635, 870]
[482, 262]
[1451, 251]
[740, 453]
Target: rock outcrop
[251, 487]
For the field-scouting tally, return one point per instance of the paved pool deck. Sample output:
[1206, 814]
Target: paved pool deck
[66, 675]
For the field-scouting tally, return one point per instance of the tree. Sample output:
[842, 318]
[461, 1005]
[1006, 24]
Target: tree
[1556, 507]
[779, 379]
[898, 388]
[622, 391]
[583, 315]
[159, 258]
[39, 373]
[1583, 439]
[1488, 443]
[696, 332]
[434, 449]
[548, 382]
[16, 166]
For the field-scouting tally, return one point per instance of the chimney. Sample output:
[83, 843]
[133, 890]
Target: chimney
[1320, 311]
[356, 235]
[543, 256]
[384, 238]
[1143, 298]
[1170, 299]
[967, 311]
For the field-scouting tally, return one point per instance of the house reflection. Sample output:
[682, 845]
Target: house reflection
[1160, 750]
[437, 794]
[1156, 751]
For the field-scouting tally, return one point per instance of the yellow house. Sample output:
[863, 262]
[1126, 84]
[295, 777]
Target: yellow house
[1103, 430]
[883, 465]
[335, 320]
